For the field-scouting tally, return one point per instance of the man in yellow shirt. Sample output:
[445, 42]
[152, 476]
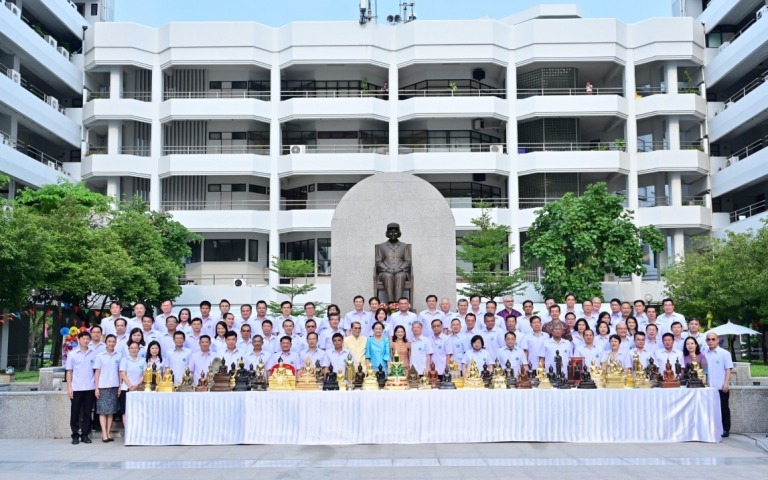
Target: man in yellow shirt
[356, 343]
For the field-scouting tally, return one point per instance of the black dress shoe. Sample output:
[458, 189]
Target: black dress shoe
[75, 441]
[726, 434]
[86, 440]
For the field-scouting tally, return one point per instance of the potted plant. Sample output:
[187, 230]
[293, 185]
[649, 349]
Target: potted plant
[621, 144]
[363, 86]
[453, 87]
[6, 376]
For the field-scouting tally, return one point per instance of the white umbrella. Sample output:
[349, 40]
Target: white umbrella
[733, 329]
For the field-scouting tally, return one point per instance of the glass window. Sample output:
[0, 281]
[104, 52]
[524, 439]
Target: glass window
[253, 250]
[215, 85]
[324, 256]
[94, 9]
[238, 187]
[240, 85]
[224, 250]
[238, 135]
[214, 187]
[300, 250]
[214, 135]
[195, 256]
[257, 189]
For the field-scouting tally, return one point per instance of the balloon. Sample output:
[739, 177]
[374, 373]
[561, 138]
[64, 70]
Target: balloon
[73, 331]
[64, 331]
[83, 328]
[73, 344]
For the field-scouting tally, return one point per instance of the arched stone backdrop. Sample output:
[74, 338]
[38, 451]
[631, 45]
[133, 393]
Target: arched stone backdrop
[360, 222]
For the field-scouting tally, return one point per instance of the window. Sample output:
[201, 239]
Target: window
[214, 135]
[240, 85]
[214, 187]
[195, 256]
[258, 189]
[94, 9]
[224, 250]
[214, 85]
[300, 250]
[334, 187]
[238, 187]
[253, 250]
[238, 135]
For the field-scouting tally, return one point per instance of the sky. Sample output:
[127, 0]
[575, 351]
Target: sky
[156, 13]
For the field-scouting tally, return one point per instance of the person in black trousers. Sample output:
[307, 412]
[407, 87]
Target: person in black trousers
[81, 386]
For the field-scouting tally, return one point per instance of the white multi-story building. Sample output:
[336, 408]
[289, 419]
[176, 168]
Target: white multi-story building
[41, 85]
[250, 135]
[736, 33]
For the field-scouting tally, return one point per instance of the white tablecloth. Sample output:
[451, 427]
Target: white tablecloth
[453, 416]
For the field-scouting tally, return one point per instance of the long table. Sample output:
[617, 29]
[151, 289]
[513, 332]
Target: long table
[413, 416]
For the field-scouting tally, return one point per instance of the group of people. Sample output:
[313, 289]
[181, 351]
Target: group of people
[112, 356]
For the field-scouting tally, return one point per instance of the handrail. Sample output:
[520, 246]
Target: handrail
[531, 92]
[535, 202]
[649, 202]
[406, 148]
[570, 147]
[142, 96]
[343, 93]
[380, 148]
[312, 203]
[652, 146]
[691, 145]
[96, 150]
[748, 211]
[260, 95]
[32, 89]
[224, 278]
[139, 151]
[743, 29]
[747, 89]
[170, 205]
[215, 149]
[97, 96]
[470, 202]
[745, 152]
[694, 200]
[405, 94]
[648, 91]
[29, 150]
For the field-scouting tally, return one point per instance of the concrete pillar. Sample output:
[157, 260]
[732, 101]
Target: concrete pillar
[394, 125]
[13, 129]
[673, 132]
[670, 75]
[679, 243]
[659, 131]
[664, 254]
[675, 189]
[113, 137]
[115, 81]
[156, 135]
[275, 146]
[513, 186]
[5, 332]
[113, 187]
[659, 184]
[16, 63]
[631, 130]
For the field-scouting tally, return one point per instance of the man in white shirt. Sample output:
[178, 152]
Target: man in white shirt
[421, 349]
[642, 318]
[224, 307]
[364, 318]
[166, 339]
[677, 331]
[442, 349]
[462, 308]
[337, 354]
[245, 319]
[108, 323]
[641, 352]
[589, 314]
[534, 345]
[326, 336]
[457, 341]
[209, 323]
[695, 333]
[148, 329]
[166, 307]
[719, 366]
[431, 313]
[404, 317]
[652, 342]
[121, 335]
[271, 342]
[448, 315]
[493, 337]
[651, 314]
[286, 313]
[669, 352]
[298, 344]
[314, 354]
[289, 357]
[81, 385]
[244, 344]
[616, 316]
[193, 340]
[511, 352]
[231, 354]
[257, 353]
[669, 316]
[524, 320]
[474, 306]
[589, 351]
[261, 315]
[597, 305]
[310, 310]
[178, 357]
[554, 345]
[139, 310]
[570, 306]
[95, 343]
[199, 362]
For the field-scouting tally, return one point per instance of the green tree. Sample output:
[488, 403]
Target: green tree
[291, 270]
[578, 240]
[486, 249]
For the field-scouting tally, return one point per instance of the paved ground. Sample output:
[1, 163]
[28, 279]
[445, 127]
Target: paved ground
[736, 457]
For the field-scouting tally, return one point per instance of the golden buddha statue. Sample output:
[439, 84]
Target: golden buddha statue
[424, 381]
[613, 372]
[166, 384]
[370, 383]
[456, 377]
[541, 376]
[396, 380]
[282, 378]
[147, 378]
[307, 376]
[187, 382]
[350, 372]
[596, 374]
[699, 371]
[499, 380]
[473, 379]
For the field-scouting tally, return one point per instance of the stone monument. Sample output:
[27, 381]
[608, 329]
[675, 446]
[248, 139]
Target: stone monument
[426, 223]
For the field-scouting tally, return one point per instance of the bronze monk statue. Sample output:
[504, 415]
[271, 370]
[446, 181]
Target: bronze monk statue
[393, 263]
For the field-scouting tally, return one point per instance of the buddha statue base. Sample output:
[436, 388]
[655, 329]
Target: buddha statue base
[670, 383]
[307, 383]
[447, 384]
[524, 384]
[511, 383]
[473, 383]
[614, 381]
[370, 384]
[587, 385]
[396, 383]
[424, 386]
[695, 383]
[544, 383]
[221, 383]
[184, 388]
[641, 381]
[499, 383]
[564, 385]
[458, 381]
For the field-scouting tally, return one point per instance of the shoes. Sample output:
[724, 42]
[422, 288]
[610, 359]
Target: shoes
[726, 434]
[86, 440]
[75, 440]
[110, 440]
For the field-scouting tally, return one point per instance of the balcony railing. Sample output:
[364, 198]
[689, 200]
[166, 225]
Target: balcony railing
[743, 29]
[535, 92]
[343, 93]
[308, 204]
[97, 96]
[216, 150]
[260, 95]
[745, 152]
[694, 201]
[746, 89]
[96, 150]
[748, 211]
[374, 148]
[225, 279]
[30, 151]
[535, 202]
[407, 148]
[652, 146]
[648, 91]
[648, 202]
[450, 88]
[170, 205]
[469, 202]
[691, 145]
[139, 151]
[140, 96]
[571, 147]
[49, 99]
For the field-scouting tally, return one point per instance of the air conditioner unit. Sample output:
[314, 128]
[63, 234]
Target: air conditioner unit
[298, 149]
[63, 51]
[52, 101]
[15, 76]
[723, 46]
[239, 282]
[13, 8]
[497, 148]
[51, 41]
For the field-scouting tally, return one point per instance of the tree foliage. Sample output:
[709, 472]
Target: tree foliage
[578, 240]
[291, 270]
[486, 249]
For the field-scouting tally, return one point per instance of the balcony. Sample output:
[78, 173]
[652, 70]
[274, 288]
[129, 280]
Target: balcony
[63, 11]
[742, 54]
[233, 216]
[746, 212]
[332, 89]
[572, 157]
[206, 106]
[690, 104]
[542, 92]
[452, 107]
[450, 88]
[98, 164]
[750, 164]
[131, 106]
[575, 105]
[654, 159]
[692, 216]
[465, 158]
[234, 160]
[744, 110]
[217, 94]
[27, 163]
[728, 12]
[328, 159]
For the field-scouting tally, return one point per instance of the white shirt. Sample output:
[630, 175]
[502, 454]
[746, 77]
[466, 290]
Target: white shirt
[643, 354]
[718, 361]
[426, 317]
[81, 364]
[315, 356]
[458, 346]
[481, 357]
[291, 358]
[551, 347]
[534, 344]
[134, 370]
[493, 339]
[523, 325]
[420, 348]
[108, 366]
[338, 360]
[230, 357]
[199, 363]
[406, 321]
[516, 357]
[325, 339]
[589, 353]
[662, 355]
[177, 359]
[441, 348]
[364, 318]
[252, 359]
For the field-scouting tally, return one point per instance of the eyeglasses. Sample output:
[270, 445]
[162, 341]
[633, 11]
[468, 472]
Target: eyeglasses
[711, 339]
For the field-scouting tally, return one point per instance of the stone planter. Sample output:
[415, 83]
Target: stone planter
[6, 378]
